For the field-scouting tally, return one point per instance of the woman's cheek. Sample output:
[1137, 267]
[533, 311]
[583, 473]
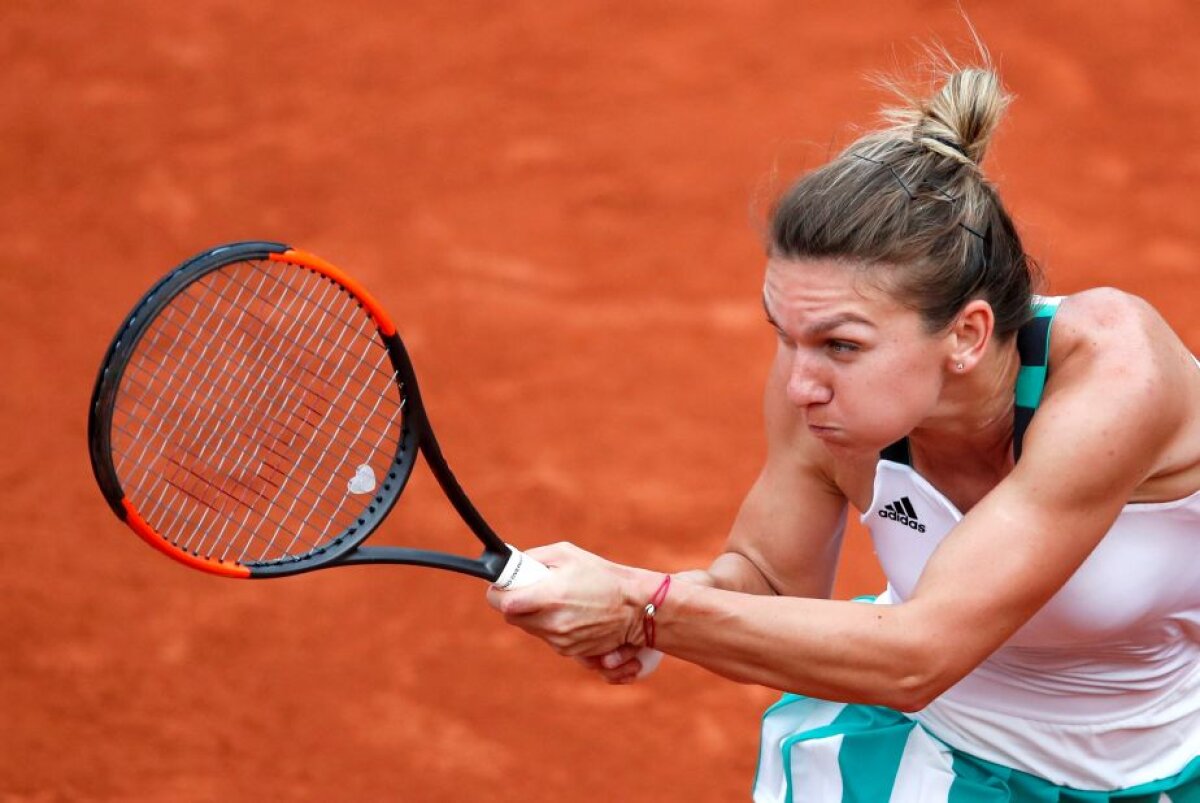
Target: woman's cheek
[880, 413]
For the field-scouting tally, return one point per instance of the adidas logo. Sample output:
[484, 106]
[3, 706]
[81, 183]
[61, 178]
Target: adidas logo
[902, 511]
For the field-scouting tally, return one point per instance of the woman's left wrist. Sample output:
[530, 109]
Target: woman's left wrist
[639, 591]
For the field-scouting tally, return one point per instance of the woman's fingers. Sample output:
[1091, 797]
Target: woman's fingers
[619, 657]
[553, 554]
[618, 666]
[514, 602]
[625, 673]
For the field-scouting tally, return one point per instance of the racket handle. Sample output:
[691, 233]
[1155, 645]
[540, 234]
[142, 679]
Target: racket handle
[522, 570]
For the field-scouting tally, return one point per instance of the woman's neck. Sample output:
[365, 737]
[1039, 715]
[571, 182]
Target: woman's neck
[973, 422]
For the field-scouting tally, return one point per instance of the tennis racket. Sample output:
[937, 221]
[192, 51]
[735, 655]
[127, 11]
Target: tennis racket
[257, 416]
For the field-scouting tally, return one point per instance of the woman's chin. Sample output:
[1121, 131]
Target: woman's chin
[842, 441]
[833, 437]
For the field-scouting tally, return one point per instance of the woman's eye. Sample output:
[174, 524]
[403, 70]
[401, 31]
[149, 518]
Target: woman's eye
[842, 347]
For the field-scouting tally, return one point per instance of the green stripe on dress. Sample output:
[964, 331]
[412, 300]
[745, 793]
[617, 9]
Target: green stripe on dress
[869, 762]
[1031, 382]
[873, 740]
[980, 781]
[872, 745]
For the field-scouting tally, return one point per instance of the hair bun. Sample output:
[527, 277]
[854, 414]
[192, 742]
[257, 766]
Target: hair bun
[958, 120]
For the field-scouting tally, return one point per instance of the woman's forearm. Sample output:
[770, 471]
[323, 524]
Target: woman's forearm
[835, 650]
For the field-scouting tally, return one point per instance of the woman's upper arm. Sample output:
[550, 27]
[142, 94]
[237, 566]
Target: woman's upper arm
[790, 524]
[1110, 412]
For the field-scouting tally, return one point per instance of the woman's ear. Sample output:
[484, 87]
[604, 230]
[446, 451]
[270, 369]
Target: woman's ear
[970, 334]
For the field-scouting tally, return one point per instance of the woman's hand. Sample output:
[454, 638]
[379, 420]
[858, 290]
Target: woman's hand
[619, 667]
[622, 665]
[588, 606]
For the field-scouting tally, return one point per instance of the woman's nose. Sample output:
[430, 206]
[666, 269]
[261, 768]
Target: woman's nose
[807, 384]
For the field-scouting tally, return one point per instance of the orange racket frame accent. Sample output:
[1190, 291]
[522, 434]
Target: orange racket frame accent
[147, 533]
[373, 308]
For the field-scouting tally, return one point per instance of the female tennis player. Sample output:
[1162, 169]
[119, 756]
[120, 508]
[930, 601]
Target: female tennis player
[1029, 469]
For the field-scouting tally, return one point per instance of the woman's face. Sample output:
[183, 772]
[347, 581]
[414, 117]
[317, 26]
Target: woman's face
[859, 365]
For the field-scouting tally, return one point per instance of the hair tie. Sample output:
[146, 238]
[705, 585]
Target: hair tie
[954, 146]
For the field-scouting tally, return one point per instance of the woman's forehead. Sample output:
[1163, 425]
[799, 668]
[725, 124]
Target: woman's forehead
[826, 288]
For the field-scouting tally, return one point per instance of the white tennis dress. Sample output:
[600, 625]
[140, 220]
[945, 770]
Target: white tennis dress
[1099, 691]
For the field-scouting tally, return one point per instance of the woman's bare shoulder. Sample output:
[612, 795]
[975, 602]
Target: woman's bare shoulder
[1119, 351]
[1104, 320]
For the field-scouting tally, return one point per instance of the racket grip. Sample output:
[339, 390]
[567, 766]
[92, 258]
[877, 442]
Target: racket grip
[522, 571]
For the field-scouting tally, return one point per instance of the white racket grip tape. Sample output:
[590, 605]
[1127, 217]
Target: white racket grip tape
[521, 571]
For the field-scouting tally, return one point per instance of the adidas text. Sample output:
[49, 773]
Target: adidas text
[905, 520]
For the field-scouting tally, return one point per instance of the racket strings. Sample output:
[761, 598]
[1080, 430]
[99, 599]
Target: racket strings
[246, 410]
[273, 474]
[341, 427]
[190, 380]
[239, 484]
[303, 345]
[288, 394]
[306, 477]
[292, 311]
[195, 525]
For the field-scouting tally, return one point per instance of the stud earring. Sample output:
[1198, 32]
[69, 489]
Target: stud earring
[958, 366]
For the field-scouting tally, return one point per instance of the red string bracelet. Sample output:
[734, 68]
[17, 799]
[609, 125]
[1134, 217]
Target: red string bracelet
[652, 607]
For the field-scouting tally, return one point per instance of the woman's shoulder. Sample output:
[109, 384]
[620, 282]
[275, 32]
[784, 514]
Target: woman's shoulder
[1112, 328]
[1115, 361]
[1100, 308]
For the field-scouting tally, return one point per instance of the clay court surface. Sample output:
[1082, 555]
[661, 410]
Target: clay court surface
[558, 203]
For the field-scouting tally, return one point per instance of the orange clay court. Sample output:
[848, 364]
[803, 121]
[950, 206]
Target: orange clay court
[558, 205]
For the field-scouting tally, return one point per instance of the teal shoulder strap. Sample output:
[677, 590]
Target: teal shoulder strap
[1033, 346]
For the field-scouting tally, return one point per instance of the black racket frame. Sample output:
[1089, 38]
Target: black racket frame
[416, 436]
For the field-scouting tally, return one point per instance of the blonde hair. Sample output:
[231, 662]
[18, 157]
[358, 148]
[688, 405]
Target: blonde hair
[911, 201]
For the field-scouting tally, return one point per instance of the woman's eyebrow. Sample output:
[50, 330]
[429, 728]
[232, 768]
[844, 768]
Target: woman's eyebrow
[818, 328]
[821, 327]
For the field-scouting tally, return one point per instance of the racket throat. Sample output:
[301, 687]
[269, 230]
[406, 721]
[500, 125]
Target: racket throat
[487, 567]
